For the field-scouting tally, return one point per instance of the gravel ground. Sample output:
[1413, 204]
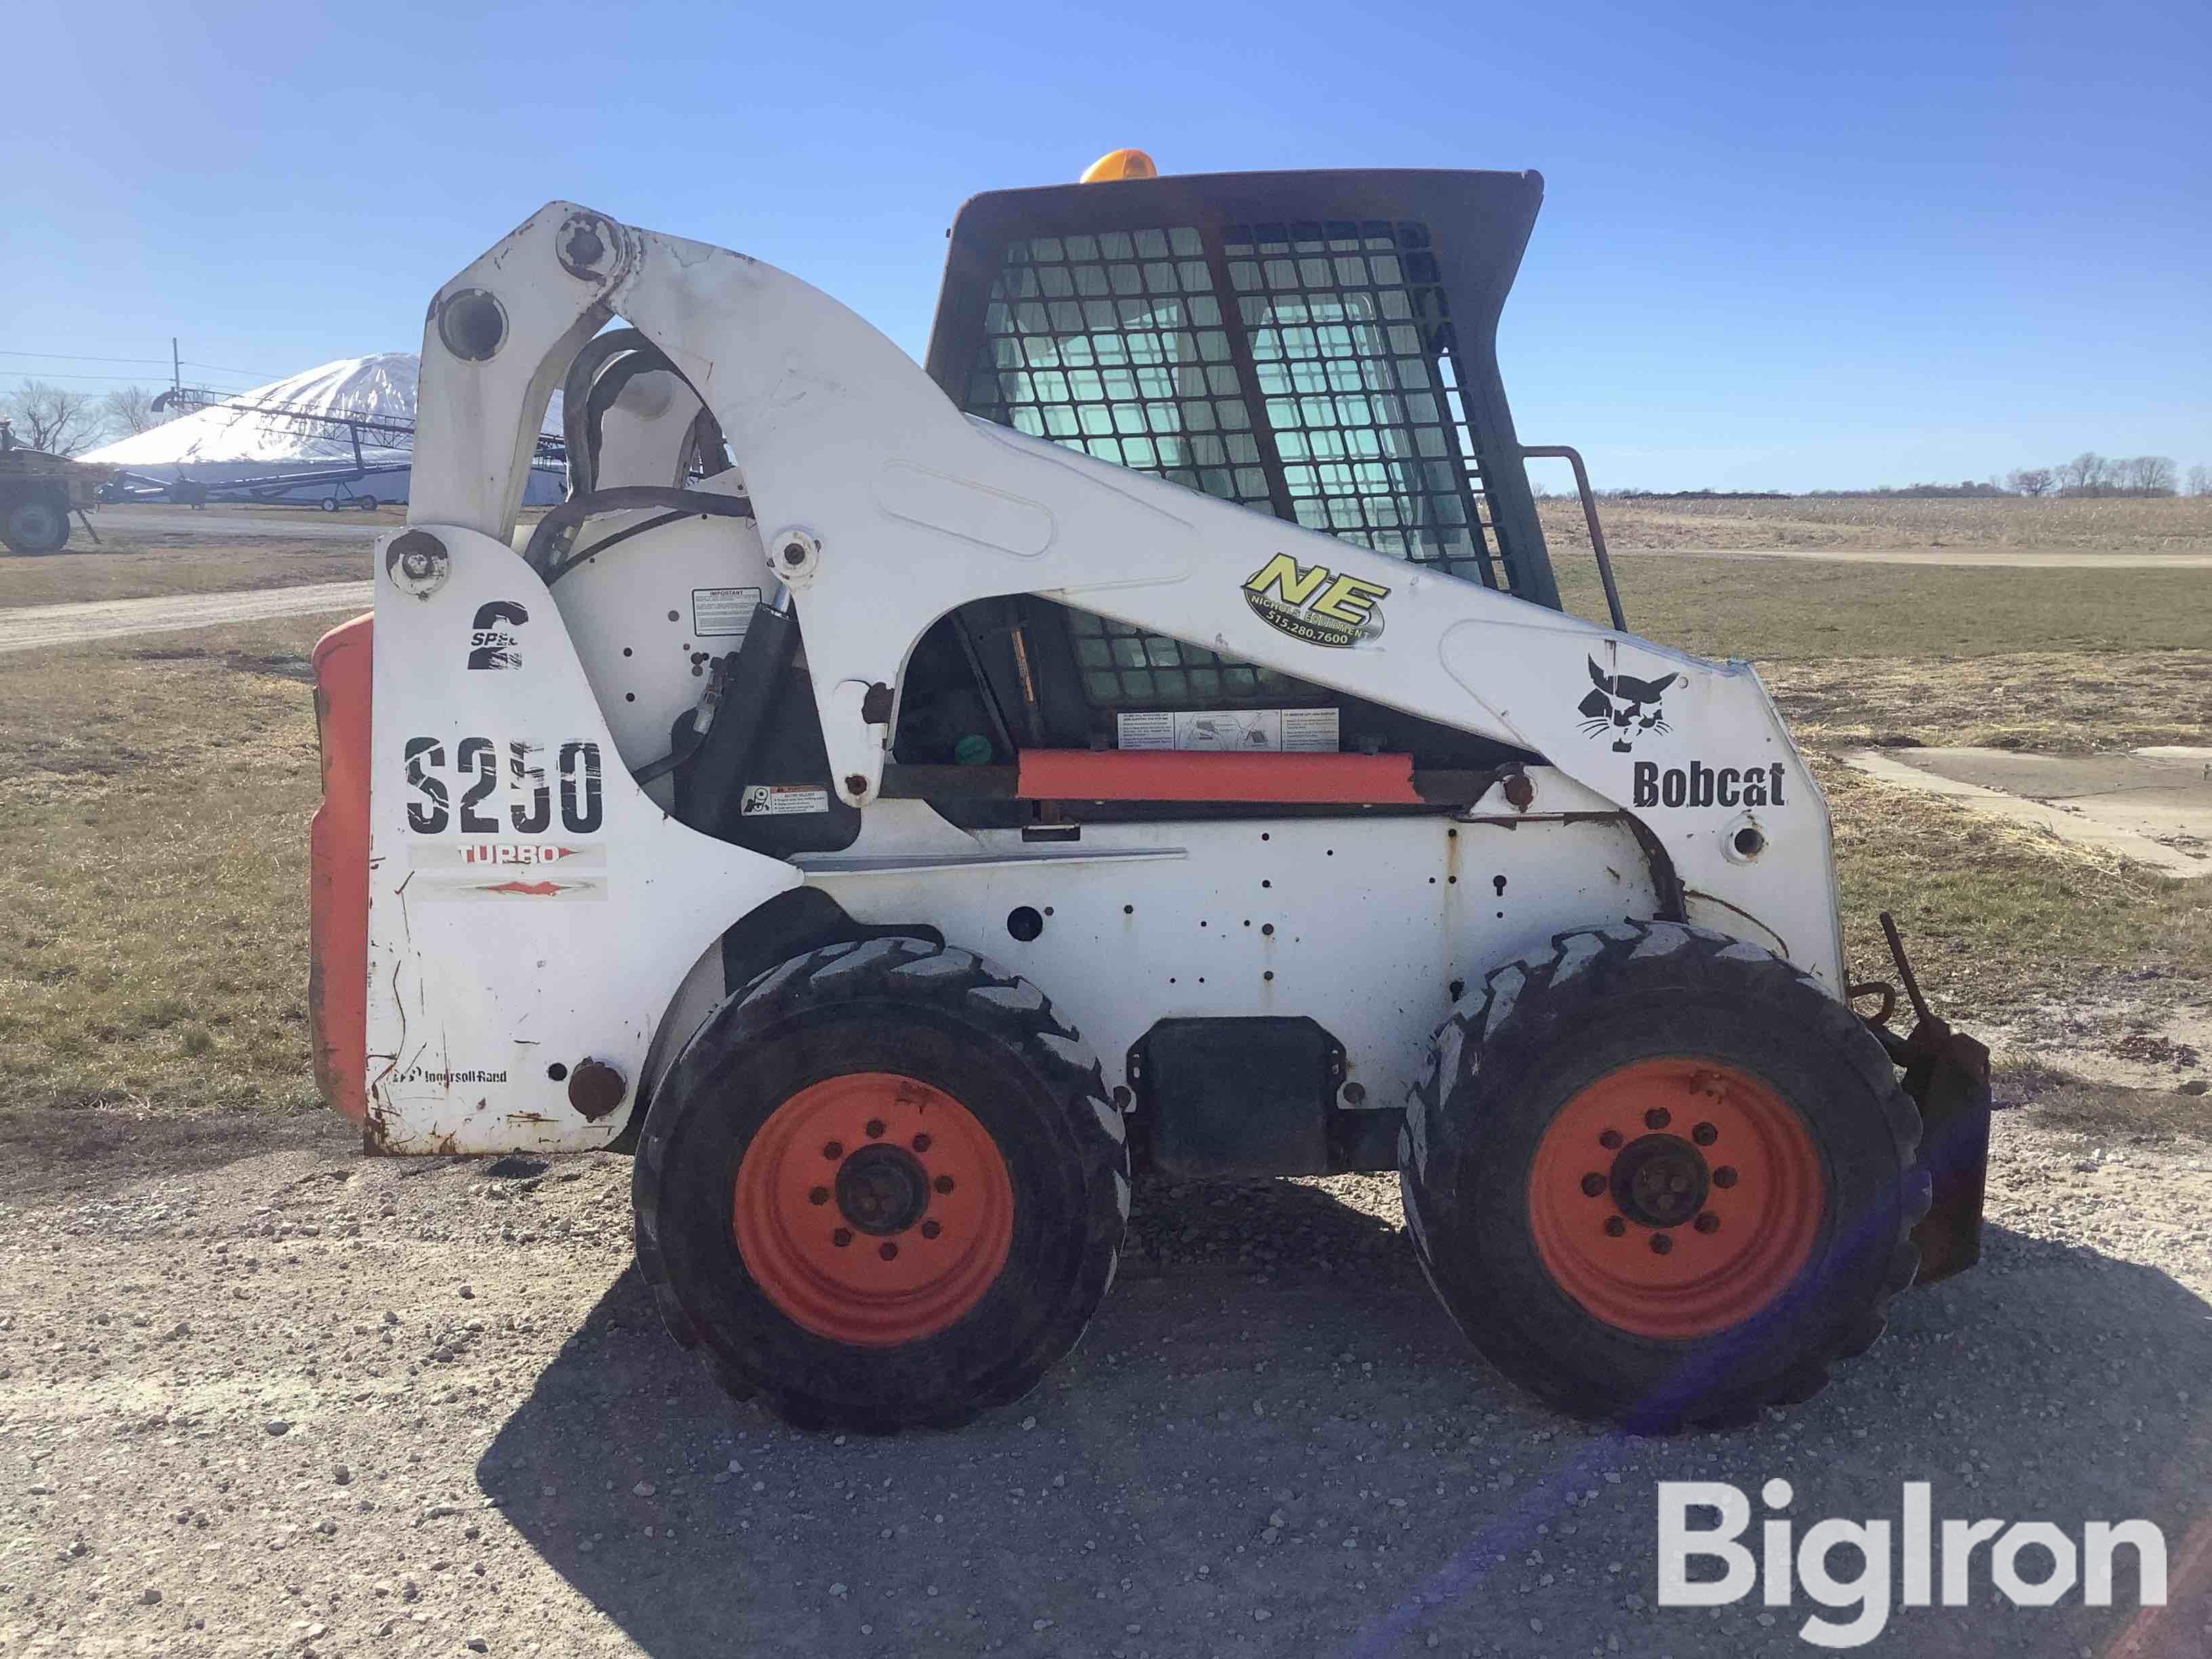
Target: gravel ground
[259, 1395]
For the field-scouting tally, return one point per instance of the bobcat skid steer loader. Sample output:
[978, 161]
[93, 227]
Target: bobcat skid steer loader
[892, 803]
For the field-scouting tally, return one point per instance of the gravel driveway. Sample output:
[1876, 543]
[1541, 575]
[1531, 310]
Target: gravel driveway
[259, 1395]
[33, 627]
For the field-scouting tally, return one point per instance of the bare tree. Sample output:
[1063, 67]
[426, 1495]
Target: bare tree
[2087, 474]
[50, 419]
[2144, 475]
[131, 410]
[2200, 480]
[2031, 480]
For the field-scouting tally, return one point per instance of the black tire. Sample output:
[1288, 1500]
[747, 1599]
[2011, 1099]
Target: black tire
[1536, 1034]
[365, 503]
[956, 1023]
[330, 503]
[36, 523]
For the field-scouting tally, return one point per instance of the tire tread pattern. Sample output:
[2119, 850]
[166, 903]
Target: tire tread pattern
[1516, 1004]
[894, 970]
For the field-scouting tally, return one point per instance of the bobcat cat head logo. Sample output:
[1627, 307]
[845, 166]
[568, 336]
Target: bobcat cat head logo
[1623, 706]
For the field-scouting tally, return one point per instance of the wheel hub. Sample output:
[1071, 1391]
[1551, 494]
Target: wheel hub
[890, 1159]
[1659, 1180]
[882, 1189]
[1675, 1197]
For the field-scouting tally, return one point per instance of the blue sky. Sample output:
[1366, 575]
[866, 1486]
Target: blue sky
[1783, 245]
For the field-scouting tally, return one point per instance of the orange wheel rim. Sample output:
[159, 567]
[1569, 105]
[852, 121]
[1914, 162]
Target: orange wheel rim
[874, 1209]
[1675, 1198]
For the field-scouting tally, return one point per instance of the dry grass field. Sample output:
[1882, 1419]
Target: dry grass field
[2176, 525]
[154, 797]
[135, 563]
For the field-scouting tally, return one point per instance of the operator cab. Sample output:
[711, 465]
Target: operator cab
[1318, 345]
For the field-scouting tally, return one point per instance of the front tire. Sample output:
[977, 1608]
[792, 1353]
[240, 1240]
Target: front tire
[36, 524]
[884, 1188]
[1661, 1178]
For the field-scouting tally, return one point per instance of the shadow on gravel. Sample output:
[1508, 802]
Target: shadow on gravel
[61, 1152]
[1310, 1460]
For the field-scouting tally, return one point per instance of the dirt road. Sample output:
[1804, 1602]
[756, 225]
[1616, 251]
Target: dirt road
[259, 1395]
[219, 525]
[30, 627]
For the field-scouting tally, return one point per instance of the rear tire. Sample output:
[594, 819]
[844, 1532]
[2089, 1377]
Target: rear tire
[835, 1096]
[35, 523]
[1662, 1178]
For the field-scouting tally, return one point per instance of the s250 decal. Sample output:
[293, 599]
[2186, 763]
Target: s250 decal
[527, 798]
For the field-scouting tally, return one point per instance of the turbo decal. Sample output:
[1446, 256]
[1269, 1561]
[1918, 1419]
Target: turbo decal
[1699, 785]
[504, 854]
[1314, 603]
[476, 761]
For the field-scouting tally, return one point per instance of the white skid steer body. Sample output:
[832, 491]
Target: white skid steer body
[534, 913]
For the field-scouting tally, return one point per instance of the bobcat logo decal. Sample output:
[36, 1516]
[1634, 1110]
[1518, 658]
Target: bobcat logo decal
[1623, 706]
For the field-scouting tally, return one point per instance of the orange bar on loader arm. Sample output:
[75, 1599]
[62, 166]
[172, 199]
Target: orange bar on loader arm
[337, 926]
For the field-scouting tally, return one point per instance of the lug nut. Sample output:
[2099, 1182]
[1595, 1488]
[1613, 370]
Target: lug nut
[841, 1237]
[921, 1143]
[833, 1150]
[887, 1250]
[819, 1195]
[1657, 1118]
[1593, 1184]
[1610, 1139]
[1725, 1175]
[931, 1229]
[1707, 1222]
[875, 1128]
[1704, 1134]
[1661, 1243]
[1614, 1226]
[943, 1183]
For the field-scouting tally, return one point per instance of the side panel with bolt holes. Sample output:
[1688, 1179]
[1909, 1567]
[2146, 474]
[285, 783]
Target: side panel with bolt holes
[1372, 925]
[531, 911]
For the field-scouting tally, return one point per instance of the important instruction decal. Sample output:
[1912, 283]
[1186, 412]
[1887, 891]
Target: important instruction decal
[776, 800]
[723, 613]
[1225, 731]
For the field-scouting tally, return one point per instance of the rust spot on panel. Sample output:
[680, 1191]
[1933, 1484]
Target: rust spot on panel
[1520, 790]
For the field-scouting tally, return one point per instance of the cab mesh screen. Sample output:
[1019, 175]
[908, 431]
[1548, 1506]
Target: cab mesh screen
[1302, 368]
